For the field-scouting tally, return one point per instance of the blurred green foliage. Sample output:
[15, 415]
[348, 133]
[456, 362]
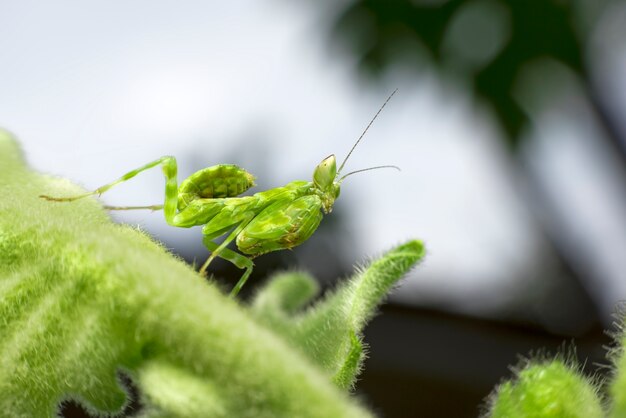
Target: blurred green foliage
[484, 43]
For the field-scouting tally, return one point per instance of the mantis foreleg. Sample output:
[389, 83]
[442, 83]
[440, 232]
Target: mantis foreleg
[208, 237]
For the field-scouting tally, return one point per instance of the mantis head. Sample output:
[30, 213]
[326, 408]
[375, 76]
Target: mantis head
[326, 173]
[324, 180]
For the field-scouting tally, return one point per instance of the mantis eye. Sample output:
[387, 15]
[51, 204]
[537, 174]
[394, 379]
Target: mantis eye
[325, 172]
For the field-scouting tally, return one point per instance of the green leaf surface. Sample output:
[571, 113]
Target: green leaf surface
[547, 390]
[328, 332]
[617, 387]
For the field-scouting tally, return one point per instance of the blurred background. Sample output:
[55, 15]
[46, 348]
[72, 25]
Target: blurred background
[509, 125]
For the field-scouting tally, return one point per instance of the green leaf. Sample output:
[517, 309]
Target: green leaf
[617, 387]
[328, 332]
[547, 390]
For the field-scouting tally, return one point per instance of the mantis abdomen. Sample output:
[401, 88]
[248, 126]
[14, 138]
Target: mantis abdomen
[218, 181]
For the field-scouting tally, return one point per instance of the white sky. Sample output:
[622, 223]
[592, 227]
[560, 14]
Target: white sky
[93, 89]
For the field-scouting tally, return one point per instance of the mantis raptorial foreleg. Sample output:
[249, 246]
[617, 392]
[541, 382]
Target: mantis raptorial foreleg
[216, 253]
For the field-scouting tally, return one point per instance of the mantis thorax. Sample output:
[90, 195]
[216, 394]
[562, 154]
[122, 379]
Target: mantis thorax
[324, 182]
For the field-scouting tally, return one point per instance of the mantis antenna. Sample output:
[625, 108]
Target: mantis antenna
[368, 169]
[363, 134]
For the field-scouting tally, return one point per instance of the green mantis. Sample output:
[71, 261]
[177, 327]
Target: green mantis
[272, 220]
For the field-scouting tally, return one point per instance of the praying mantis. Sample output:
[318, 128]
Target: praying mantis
[271, 220]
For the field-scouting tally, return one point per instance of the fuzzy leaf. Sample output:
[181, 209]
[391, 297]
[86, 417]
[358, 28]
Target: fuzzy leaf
[617, 387]
[329, 331]
[550, 390]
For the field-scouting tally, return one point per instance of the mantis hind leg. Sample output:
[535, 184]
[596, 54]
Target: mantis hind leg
[171, 188]
[150, 207]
